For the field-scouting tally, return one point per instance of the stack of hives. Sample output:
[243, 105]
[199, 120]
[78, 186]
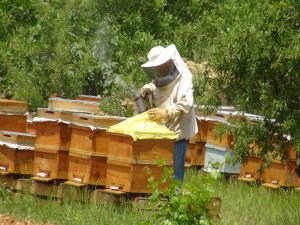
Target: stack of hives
[280, 173]
[216, 149]
[53, 130]
[16, 146]
[88, 149]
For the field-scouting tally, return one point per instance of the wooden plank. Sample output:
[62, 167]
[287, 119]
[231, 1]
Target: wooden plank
[271, 186]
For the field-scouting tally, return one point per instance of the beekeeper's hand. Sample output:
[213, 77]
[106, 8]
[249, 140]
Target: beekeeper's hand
[158, 114]
[146, 90]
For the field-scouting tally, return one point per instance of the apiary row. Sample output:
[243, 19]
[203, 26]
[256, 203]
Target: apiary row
[70, 142]
[280, 172]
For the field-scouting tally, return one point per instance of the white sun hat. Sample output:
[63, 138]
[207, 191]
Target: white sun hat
[159, 55]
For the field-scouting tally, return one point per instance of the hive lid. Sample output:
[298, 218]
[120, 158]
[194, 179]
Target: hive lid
[13, 106]
[17, 140]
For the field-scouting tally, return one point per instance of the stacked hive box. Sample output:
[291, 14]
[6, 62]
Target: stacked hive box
[88, 149]
[129, 160]
[53, 130]
[13, 115]
[218, 149]
[282, 173]
[195, 151]
[52, 144]
[16, 153]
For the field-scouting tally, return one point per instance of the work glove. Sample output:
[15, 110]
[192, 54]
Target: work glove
[146, 90]
[158, 114]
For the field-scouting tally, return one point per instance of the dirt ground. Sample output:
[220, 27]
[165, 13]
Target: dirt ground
[7, 220]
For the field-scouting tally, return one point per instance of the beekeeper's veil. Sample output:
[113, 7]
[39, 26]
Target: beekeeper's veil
[157, 58]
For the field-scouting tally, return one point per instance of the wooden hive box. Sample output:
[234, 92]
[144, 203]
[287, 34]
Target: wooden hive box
[55, 114]
[226, 141]
[282, 173]
[13, 106]
[250, 170]
[132, 177]
[195, 153]
[101, 137]
[13, 122]
[51, 149]
[88, 148]
[89, 132]
[216, 158]
[16, 153]
[202, 128]
[87, 168]
[89, 98]
[74, 105]
[128, 160]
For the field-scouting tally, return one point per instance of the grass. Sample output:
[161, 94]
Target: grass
[242, 204]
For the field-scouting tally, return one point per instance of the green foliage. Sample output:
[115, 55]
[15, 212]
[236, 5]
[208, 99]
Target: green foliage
[183, 204]
[253, 49]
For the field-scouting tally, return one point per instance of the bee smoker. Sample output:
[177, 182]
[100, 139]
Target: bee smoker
[142, 104]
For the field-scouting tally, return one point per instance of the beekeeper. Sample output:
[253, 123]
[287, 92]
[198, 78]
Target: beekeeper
[172, 95]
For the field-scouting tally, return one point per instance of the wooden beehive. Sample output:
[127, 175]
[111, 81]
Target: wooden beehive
[282, 173]
[195, 153]
[74, 105]
[55, 114]
[123, 148]
[87, 168]
[13, 122]
[127, 160]
[51, 134]
[226, 141]
[202, 128]
[50, 164]
[217, 157]
[13, 106]
[16, 153]
[51, 149]
[250, 170]
[89, 132]
[132, 177]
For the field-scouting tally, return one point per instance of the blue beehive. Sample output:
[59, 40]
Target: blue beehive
[217, 156]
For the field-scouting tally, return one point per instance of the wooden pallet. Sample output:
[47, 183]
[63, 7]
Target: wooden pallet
[15, 182]
[47, 188]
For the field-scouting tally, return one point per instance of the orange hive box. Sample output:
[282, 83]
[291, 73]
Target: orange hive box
[16, 153]
[225, 141]
[13, 122]
[12, 106]
[74, 105]
[55, 114]
[51, 148]
[88, 148]
[128, 160]
[195, 154]
[282, 173]
[249, 171]
[202, 128]
[89, 98]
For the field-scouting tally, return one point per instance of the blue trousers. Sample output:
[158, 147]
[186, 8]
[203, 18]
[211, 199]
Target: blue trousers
[179, 159]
